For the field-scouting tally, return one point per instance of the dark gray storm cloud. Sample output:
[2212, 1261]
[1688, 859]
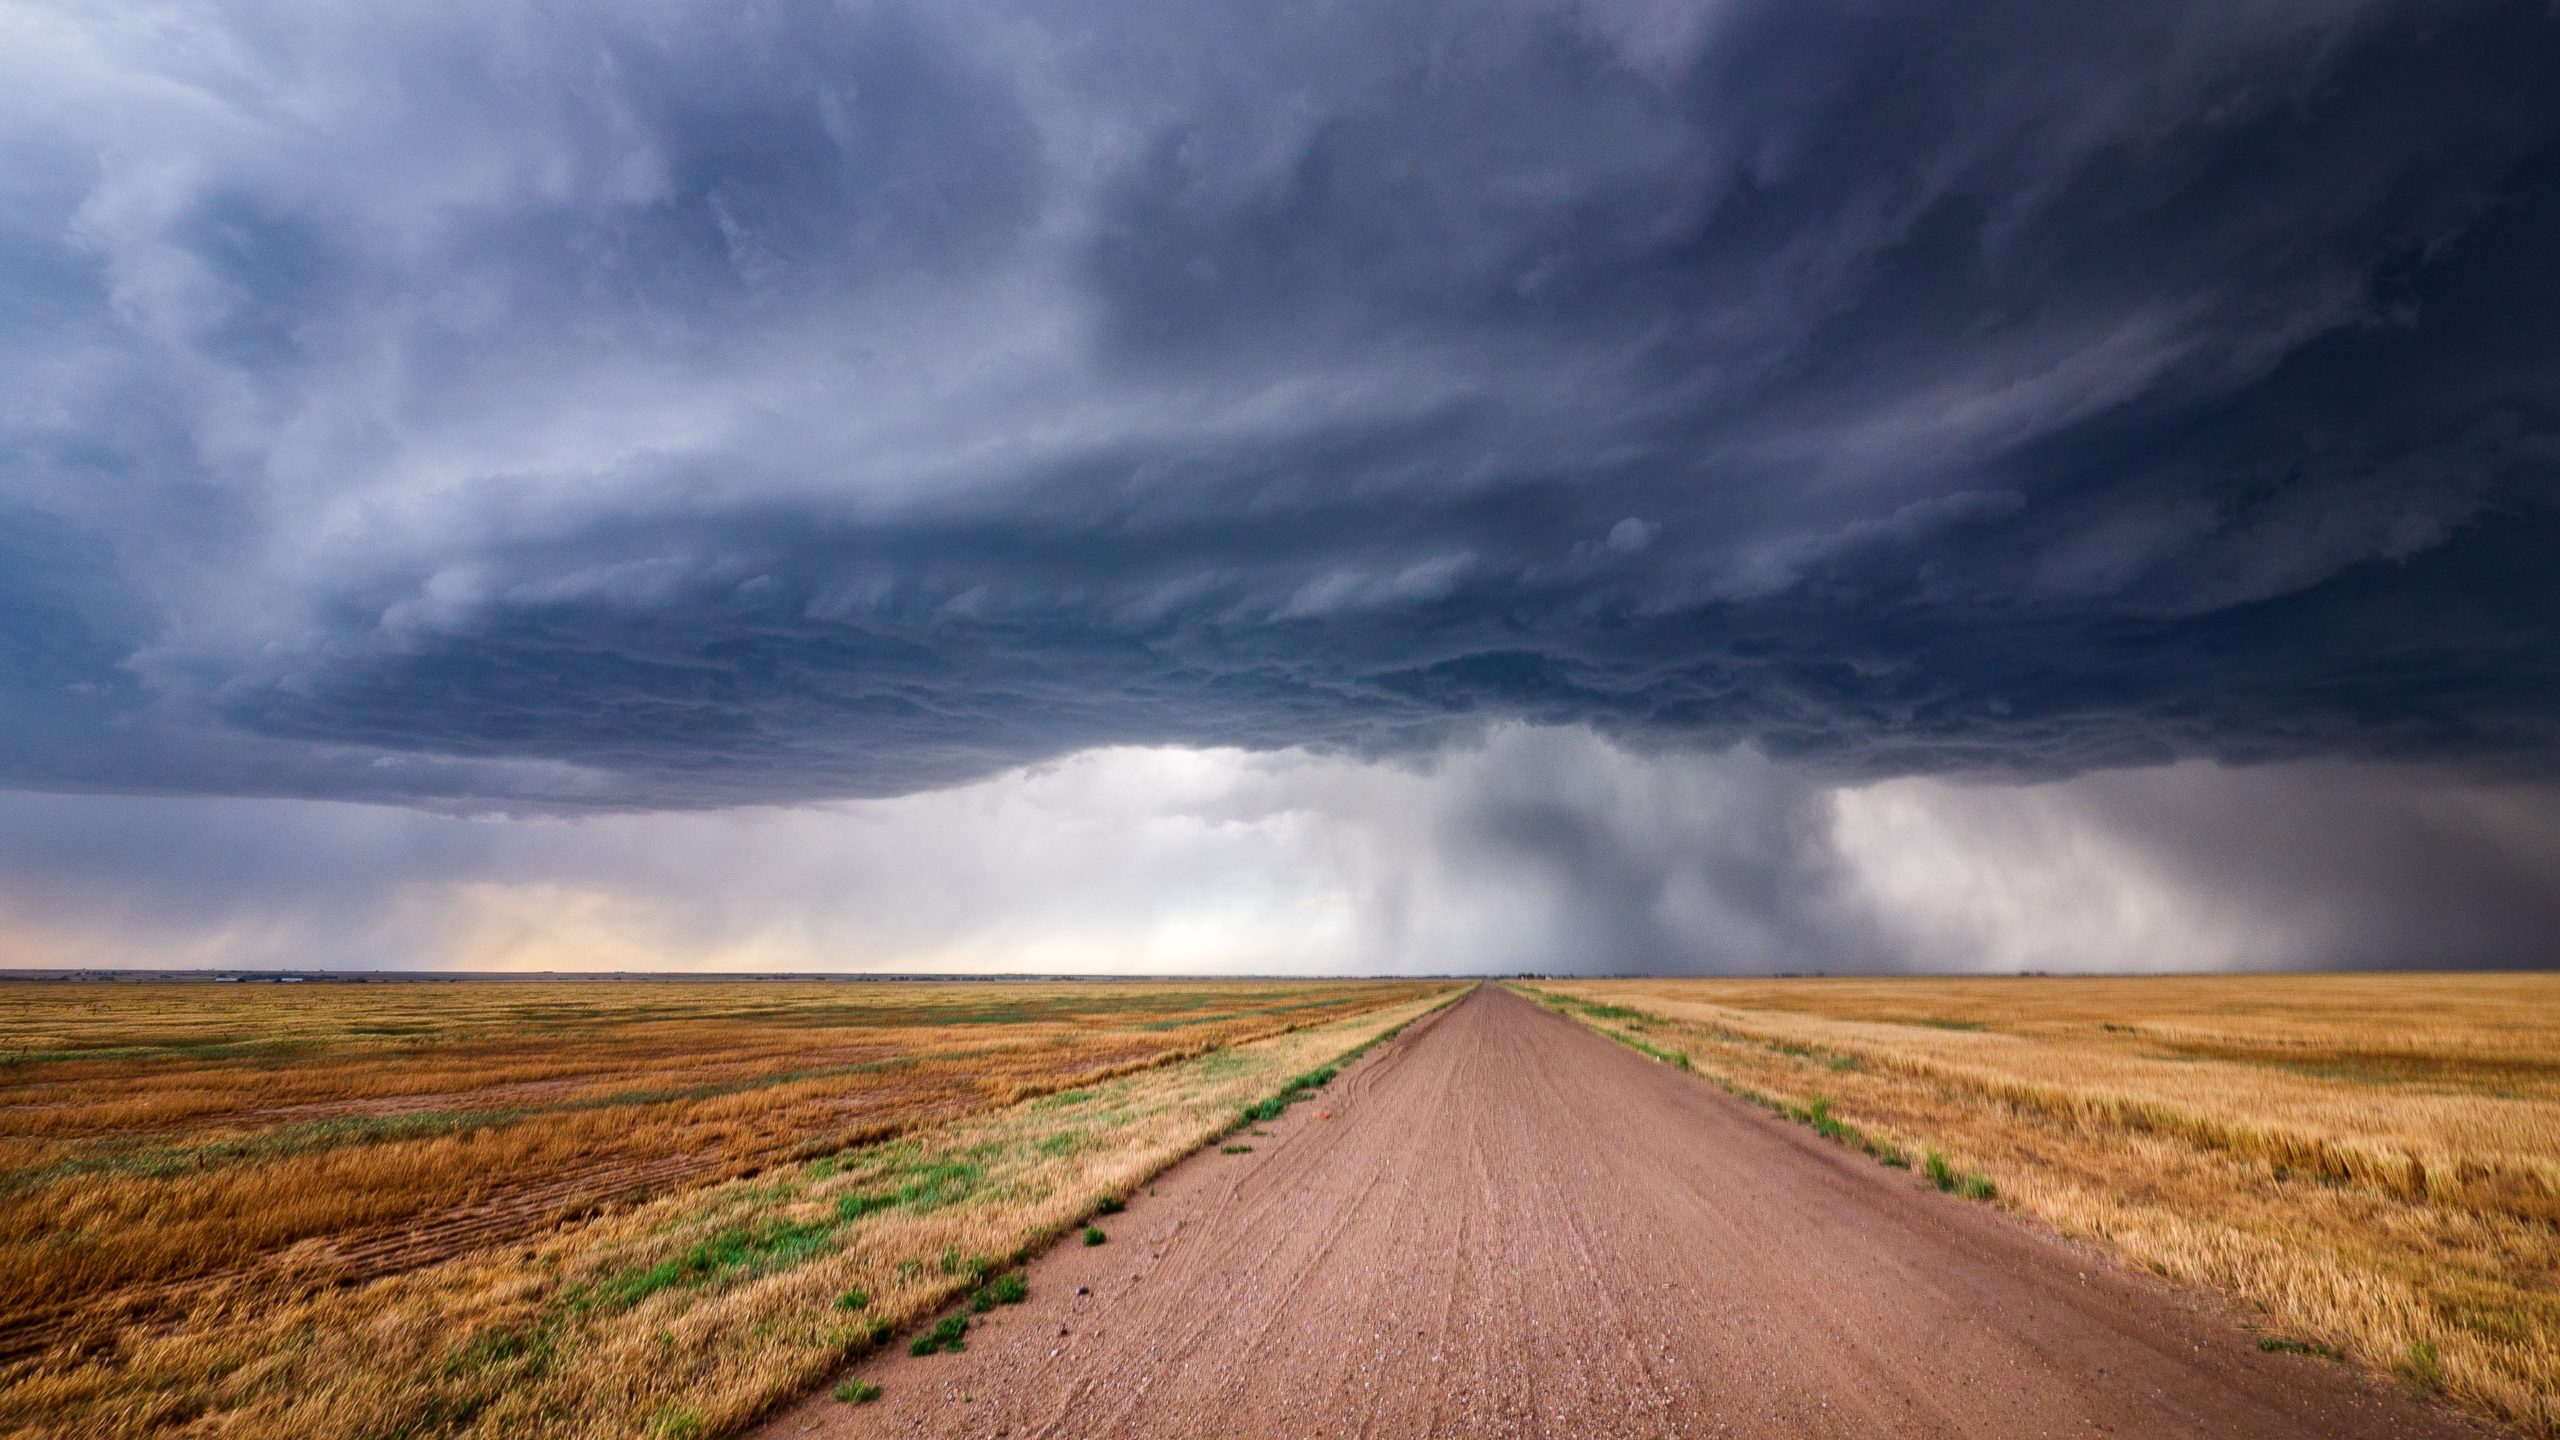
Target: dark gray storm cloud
[670, 405]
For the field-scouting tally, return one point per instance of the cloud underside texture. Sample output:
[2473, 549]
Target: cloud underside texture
[665, 406]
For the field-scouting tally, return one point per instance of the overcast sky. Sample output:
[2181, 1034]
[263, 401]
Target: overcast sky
[1628, 484]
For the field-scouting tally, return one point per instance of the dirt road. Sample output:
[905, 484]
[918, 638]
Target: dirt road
[1509, 1226]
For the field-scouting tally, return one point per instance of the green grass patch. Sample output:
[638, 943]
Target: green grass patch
[2421, 1367]
[760, 1249]
[951, 1335]
[2278, 1345]
[941, 1184]
[1971, 1184]
[850, 1208]
[1298, 1088]
[1093, 1235]
[627, 1288]
[1010, 1288]
[857, 1392]
[1817, 1114]
[736, 1252]
[678, 1422]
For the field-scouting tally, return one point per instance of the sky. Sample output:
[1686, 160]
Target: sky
[1693, 486]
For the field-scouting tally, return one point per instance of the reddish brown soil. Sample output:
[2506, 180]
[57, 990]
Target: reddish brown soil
[1509, 1226]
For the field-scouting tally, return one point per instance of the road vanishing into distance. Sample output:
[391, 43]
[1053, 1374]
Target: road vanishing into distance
[1502, 1224]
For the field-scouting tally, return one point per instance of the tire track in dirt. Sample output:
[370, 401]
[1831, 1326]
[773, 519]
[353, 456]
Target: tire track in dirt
[1511, 1227]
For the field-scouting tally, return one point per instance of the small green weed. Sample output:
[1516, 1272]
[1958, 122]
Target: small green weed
[1298, 1088]
[2422, 1369]
[952, 1335]
[1093, 1235]
[1008, 1289]
[857, 1392]
[1971, 1184]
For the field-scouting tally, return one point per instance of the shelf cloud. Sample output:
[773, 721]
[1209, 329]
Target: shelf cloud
[1547, 850]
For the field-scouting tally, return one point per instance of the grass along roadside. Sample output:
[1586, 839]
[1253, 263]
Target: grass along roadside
[1813, 1112]
[2358, 1161]
[691, 1314]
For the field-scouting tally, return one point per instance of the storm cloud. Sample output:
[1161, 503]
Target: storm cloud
[1543, 850]
[1679, 434]
[667, 405]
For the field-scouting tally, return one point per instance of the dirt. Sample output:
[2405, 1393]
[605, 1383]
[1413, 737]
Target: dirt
[1505, 1225]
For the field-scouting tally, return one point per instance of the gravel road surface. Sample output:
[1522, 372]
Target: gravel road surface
[1502, 1224]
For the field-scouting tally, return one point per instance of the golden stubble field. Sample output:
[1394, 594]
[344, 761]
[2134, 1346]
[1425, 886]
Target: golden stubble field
[577, 1208]
[2367, 1165]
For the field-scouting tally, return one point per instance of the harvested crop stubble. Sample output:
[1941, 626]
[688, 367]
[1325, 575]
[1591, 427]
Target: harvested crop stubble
[2370, 1162]
[211, 1252]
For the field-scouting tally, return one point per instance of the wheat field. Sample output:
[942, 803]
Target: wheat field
[2367, 1166]
[577, 1208]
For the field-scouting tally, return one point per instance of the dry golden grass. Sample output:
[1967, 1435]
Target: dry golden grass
[2365, 1163]
[577, 1208]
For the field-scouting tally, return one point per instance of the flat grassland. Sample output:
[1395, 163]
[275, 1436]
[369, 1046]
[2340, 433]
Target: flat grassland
[2368, 1165]
[578, 1208]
